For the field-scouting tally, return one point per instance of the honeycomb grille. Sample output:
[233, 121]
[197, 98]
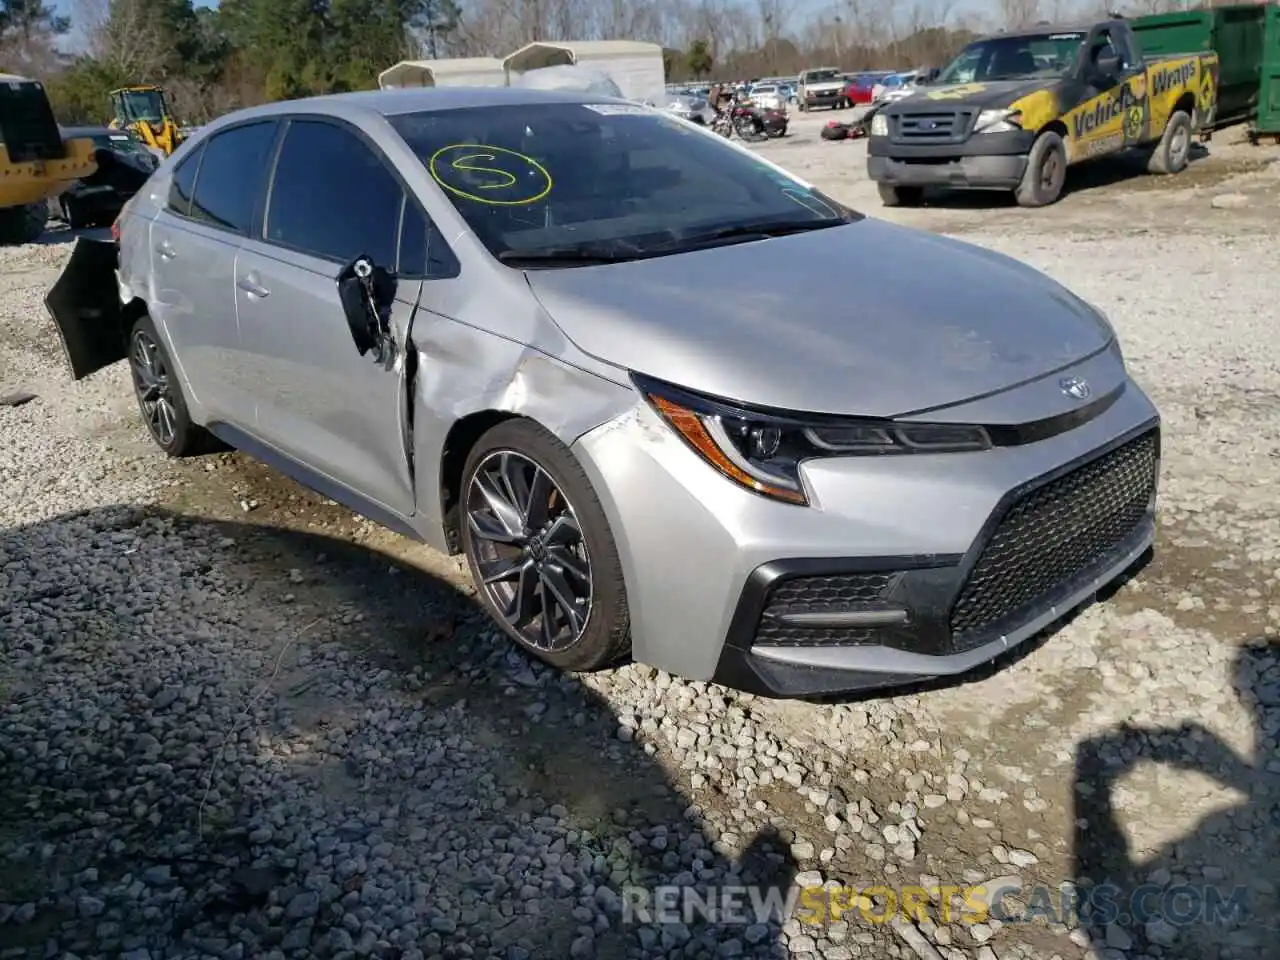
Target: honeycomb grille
[1055, 535]
[825, 594]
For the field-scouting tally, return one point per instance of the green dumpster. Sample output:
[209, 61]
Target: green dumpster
[1234, 32]
[1268, 117]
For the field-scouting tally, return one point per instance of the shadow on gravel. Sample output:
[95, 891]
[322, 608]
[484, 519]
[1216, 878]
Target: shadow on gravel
[1215, 892]
[237, 741]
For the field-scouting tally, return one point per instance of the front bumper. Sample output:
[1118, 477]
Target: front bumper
[993, 161]
[905, 569]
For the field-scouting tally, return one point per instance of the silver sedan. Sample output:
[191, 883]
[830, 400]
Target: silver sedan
[612, 359]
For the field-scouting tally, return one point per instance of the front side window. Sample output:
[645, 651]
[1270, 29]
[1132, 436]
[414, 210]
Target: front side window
[604, 181]
[231, 176]
[333, 197]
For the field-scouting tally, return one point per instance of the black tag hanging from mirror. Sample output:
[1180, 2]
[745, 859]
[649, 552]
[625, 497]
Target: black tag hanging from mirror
[367, 292]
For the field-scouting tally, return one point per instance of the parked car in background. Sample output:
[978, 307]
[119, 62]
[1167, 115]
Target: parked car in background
[820, 87]
[124, 164]
[859, 90]
[768, 96]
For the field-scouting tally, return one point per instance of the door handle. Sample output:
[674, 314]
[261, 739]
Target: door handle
[165, 249]
[252, 288]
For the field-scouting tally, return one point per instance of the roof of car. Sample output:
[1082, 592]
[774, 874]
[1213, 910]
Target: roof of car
[419, 99]
[1046, 29]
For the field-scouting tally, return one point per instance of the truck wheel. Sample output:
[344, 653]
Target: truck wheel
[1045, 174]
[1174, 148]
[23, 224]
[892, 196]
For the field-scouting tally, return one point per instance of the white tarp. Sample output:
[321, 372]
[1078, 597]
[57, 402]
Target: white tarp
[569, 77]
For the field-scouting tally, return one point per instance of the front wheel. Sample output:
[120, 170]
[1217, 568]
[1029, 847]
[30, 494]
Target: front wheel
[892, 196]
[540, 549]
[1046, 172]
[23, 224]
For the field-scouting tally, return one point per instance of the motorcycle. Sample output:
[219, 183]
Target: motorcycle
[775, 123]
[748, 122]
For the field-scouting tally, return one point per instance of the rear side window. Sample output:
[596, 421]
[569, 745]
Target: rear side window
[333, 197]
[231, 176]
[184, 182]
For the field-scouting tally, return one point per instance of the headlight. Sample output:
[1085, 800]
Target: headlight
[998, 121]
[879, 125]
[763, 450]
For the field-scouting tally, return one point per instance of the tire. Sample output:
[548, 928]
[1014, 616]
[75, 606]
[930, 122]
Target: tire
[23, 224]
[604, 637]
[1046, 172]
[1174, 149]
[173, 430]
[892, 196]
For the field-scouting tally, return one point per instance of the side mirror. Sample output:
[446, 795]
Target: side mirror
[367, 292]
[1107, 66]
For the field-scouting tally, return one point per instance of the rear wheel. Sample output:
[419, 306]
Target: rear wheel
[1046, 172]
[540, 550]
[892, 196]
[155, 384]
[23, 224]
[1174, 149]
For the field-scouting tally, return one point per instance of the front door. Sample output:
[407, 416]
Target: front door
[340, 415]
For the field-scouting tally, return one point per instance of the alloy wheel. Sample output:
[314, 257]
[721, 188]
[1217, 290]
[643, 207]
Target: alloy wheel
[1179, 147]
[1049, 172]
[528, 551]
[152, 383]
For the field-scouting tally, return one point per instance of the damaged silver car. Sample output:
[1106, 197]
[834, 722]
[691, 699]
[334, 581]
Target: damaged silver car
[612, 358]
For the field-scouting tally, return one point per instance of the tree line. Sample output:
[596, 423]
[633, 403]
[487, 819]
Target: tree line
[243, 52]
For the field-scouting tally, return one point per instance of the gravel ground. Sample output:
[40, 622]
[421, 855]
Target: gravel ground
[236, 721]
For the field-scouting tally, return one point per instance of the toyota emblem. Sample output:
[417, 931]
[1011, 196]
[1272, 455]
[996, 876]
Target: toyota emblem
[1077, 387]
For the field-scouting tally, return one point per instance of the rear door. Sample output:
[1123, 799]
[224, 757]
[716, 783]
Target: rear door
[343, 416]
[195, 240]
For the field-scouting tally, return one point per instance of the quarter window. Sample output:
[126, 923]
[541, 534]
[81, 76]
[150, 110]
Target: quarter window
[422, 252]
[184, 182]
[332, 196]
[231, 176]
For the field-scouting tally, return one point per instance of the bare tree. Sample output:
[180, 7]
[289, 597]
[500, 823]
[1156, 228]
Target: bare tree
[124, 36]
[1019, 13]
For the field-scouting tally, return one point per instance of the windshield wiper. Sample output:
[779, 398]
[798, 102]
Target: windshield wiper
[748, 231]
[561, 258]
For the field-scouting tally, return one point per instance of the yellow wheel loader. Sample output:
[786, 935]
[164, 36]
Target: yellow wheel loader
[144, 110]
[36, 164]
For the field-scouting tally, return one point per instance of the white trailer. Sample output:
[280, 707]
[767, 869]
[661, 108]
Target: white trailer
[636, 68]
[446, 72]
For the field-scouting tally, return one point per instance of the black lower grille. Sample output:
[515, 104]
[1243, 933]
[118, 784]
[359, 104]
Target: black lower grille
[818, 595]
[1055, 535]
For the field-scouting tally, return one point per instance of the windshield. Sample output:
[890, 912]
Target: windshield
[604, 179]
[120, 143]
[145, 105]
[821, 76]
[1014, 58]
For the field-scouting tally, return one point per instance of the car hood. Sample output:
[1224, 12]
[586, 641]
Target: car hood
[868, 319]
[982, 96]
